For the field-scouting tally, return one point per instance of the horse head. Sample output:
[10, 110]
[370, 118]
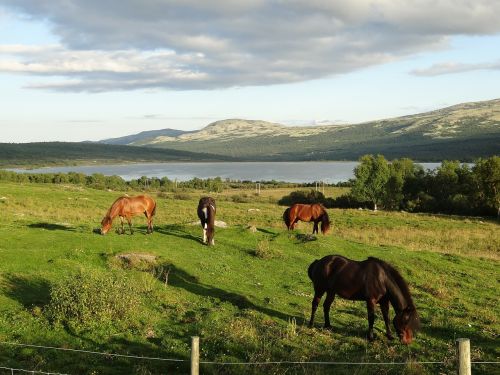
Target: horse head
[106, 224]
[406, 323]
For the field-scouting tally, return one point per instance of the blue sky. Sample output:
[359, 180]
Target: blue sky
[85, 72]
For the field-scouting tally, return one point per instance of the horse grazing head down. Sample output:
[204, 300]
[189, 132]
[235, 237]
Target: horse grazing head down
[406, 323]
[106, 224]
[307, 212]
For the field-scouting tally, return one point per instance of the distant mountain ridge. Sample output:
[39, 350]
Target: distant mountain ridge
[148, 134]
[464, 131]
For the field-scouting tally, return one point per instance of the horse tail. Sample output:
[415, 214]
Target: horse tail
[286, 217]
[211, 214]
[325, 222]
[153, 213]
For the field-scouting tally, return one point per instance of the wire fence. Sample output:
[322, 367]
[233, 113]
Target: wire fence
[13, 370]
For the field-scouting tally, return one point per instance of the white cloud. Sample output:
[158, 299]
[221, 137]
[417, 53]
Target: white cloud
[454, 67]
[133, 44]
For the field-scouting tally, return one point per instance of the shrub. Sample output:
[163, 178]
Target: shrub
[347, 201]
[92, 298]
[182, 196]
[242, 198]
[302, 196]
[264, 251]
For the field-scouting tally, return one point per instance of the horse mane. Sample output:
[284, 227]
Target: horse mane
[393, 273]
[112, 210]
[286, 217]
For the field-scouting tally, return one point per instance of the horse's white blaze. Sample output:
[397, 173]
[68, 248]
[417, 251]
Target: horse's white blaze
[204, 209]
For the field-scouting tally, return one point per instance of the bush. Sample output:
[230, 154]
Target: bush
[347, 201]
[242, 198]
[182, 196]
[302, 196]
[264, 251]
[91, 298]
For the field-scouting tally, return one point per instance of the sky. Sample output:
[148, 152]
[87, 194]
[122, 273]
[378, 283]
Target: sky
[74, 70]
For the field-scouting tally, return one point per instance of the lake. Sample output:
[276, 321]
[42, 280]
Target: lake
[328, 171]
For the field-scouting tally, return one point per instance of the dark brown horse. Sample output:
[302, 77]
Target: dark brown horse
[125, 208]
[307, 212]
[371, 280]
[206, 213]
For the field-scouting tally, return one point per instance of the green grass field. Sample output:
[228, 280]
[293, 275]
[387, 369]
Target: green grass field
[248, 298]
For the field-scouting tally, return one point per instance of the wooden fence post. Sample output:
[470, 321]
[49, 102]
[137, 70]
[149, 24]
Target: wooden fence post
[463, 357]
[195, 355]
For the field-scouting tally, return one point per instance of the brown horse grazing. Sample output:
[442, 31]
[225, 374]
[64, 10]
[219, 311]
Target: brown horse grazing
[307, 212]
[206, 213]
[371, 280]
[126, 207]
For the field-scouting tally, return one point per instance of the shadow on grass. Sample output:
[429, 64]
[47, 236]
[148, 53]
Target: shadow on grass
[181, 279]
[28, 291]
[178, 231]
[489, 345]
[50, 226]
[303, 238]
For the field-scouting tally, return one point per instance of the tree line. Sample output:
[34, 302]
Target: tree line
[102, 182]
[451, 188]
[402, 184]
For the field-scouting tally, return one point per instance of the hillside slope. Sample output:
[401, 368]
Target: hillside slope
[63, 153]
[463, 131]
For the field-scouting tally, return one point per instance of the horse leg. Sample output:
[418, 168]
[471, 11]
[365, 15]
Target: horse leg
[150, 222]
[130, 225]
[384, 306]
[315, 303]
[205, 240]
[315, 227]
[121, 221]
[326, 307]
[370, 306]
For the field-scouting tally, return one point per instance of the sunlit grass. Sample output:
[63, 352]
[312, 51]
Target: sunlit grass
[248, 298]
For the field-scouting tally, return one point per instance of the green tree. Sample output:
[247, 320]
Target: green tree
[487, 177]
[372, 175]
[400, 170]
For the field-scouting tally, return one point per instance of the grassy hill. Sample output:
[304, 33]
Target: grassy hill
[72, 153]
[248, 298]
[464, 132]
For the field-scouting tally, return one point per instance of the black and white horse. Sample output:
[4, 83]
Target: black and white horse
[206, 213]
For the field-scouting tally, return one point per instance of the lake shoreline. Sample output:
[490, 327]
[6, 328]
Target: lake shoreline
[291, 171]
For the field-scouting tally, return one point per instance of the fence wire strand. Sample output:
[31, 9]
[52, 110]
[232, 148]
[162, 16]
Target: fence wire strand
[12, 369]
[94, 352]
[218, 363]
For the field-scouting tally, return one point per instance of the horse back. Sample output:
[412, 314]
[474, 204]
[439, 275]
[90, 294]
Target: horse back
[348, 278]
[135, 205]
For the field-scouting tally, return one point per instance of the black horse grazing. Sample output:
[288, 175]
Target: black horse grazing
[206, 213]
[371, 280]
